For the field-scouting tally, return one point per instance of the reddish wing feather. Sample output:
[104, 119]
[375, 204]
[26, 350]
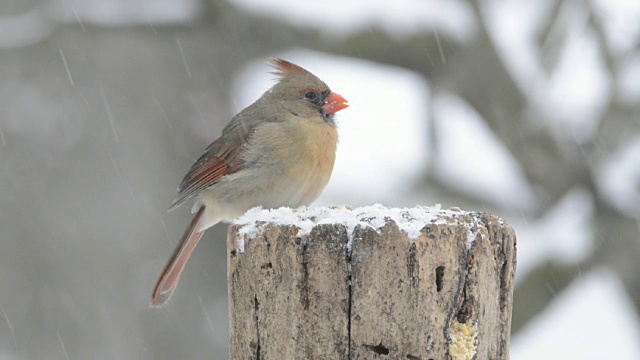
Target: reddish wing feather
[218, 160]
[204, 173]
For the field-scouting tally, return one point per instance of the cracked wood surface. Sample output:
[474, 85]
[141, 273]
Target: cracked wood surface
[310, 297]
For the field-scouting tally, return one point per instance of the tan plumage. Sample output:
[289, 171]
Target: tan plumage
[279, 151]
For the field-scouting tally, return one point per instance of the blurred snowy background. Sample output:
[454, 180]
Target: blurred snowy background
[529, 109]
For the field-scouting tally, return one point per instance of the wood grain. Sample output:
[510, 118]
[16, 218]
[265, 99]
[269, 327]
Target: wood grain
[439, 296]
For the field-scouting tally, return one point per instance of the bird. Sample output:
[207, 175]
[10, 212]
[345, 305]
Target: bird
[278, 151]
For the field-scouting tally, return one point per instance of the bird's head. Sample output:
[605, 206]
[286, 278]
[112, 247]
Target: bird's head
[303, 94]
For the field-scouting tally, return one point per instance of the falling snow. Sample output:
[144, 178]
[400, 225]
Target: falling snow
[66, 67]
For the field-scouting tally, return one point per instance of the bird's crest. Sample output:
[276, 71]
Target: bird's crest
[284, 68]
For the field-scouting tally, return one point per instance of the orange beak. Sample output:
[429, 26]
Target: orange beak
[334, 103]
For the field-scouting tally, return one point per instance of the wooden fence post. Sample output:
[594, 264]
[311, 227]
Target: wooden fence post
[370, 283]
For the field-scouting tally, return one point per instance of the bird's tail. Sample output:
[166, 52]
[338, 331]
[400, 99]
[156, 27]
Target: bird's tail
[170, 275]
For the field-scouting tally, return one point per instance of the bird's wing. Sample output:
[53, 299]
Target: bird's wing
[208, 169]
[222, 157]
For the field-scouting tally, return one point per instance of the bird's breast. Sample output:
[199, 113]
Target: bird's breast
[300, 155]
[315, 170]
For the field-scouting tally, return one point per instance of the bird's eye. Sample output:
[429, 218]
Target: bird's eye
[312, 96]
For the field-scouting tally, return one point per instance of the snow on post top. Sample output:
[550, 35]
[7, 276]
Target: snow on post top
[410, 220]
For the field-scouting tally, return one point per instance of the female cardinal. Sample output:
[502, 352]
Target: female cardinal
[279, 151]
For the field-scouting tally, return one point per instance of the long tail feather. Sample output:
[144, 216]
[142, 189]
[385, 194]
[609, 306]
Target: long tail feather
[169, 277]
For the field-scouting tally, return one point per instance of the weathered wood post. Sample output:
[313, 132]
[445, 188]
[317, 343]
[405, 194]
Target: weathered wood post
[370, 283]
